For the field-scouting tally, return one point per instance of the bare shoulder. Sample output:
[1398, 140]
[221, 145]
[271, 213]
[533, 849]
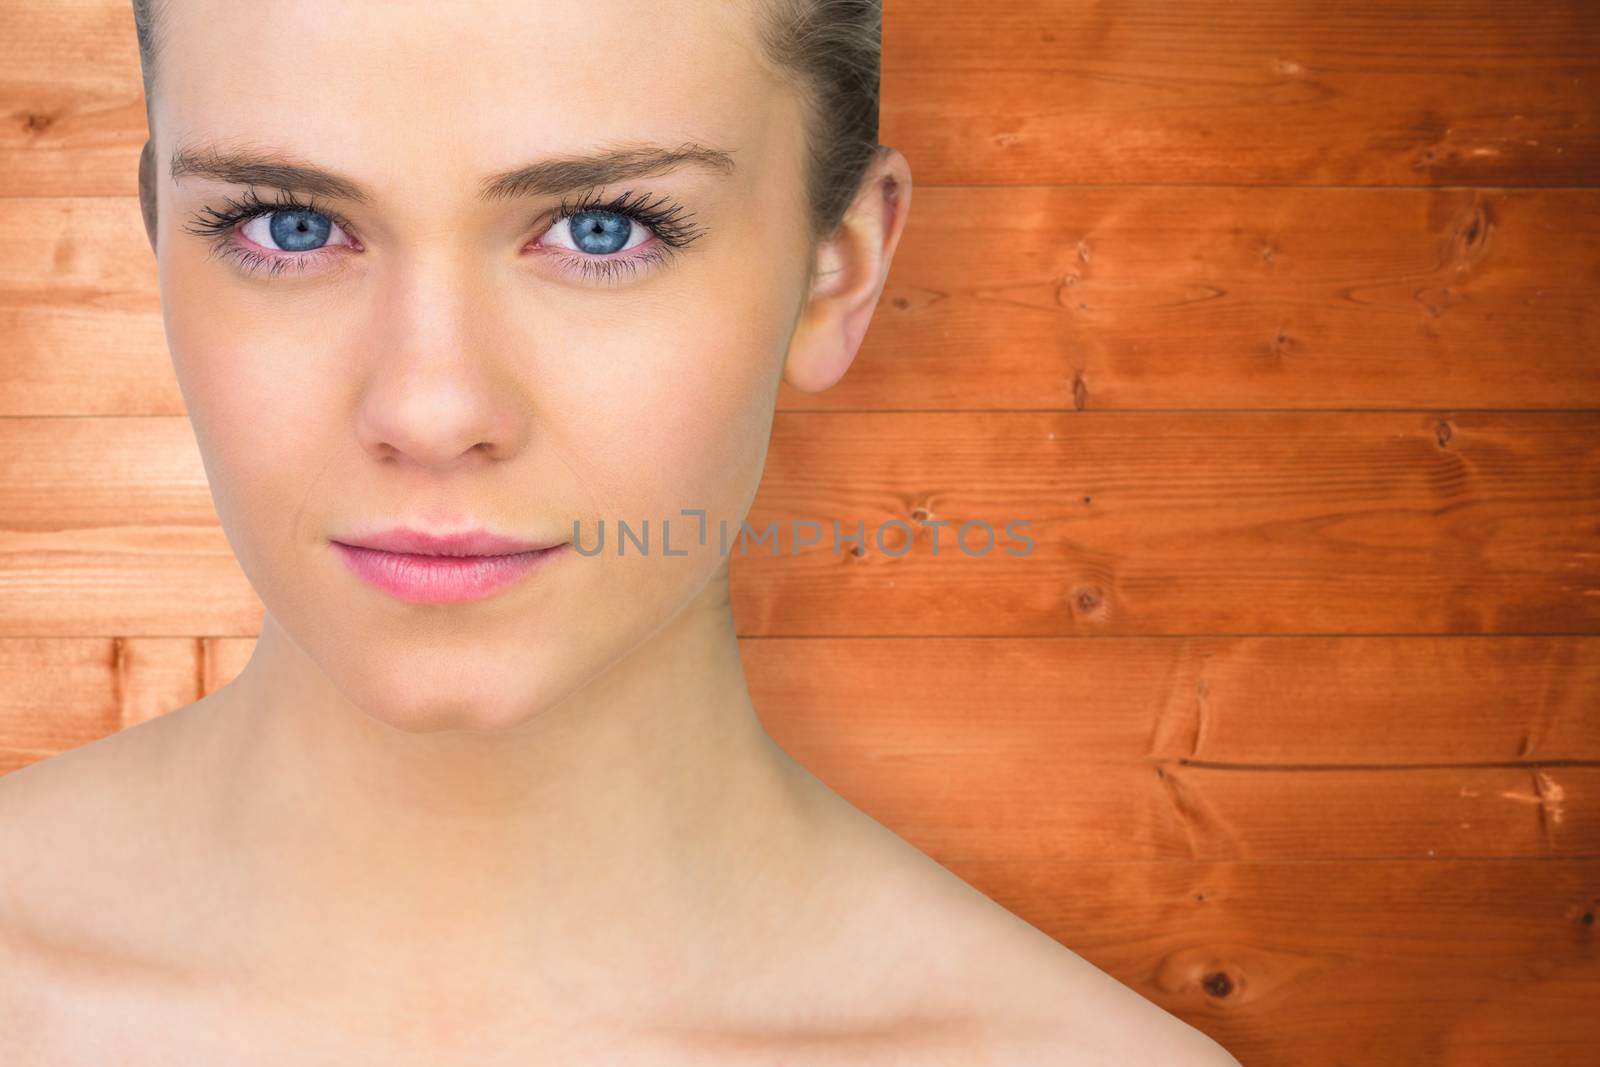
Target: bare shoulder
[1097, 1020]
[76, 831]
[998, 989]
[76, 797]
[1041, 1003]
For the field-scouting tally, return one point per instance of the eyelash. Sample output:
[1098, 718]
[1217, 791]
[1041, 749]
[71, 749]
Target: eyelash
[663, 218]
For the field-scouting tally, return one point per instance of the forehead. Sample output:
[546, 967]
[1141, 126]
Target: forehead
[399, 87]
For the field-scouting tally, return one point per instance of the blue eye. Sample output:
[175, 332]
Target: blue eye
[602, 229]
[599, 232]
[602, 233]
[298, 231]
[288, 234]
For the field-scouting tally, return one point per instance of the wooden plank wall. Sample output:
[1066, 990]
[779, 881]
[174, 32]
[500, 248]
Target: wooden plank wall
[1277, 318]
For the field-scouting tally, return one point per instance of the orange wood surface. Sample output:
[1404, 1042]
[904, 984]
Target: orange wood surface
[1279, 322]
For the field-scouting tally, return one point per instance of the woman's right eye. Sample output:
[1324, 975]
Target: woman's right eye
[293, 230]
[271, 238]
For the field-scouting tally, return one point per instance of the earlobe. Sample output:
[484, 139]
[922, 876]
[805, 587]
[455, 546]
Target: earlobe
[851, 271]
[820, 351]
[147, 190]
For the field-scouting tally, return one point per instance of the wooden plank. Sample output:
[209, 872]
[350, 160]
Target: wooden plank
[1439, 92]
[1043, 805]
[1029, 298]
[73, 99]
[1259, 522]
[1435, 92]
[57, 693]
[1128, 298]
[1147, 523]
[1236, 702]
[80, 312]
[119, 540]
[1379, 962]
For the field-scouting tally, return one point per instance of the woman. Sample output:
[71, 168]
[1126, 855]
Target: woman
[452, 290]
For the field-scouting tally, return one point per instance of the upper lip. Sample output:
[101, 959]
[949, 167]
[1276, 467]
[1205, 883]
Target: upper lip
[420, 542]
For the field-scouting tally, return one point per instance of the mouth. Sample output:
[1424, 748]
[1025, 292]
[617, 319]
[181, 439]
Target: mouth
[425, 568]
[415, 542]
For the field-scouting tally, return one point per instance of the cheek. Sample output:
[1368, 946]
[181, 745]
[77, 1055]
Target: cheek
[688, 395]
[242, 364]
[693, 432]
[254, 409]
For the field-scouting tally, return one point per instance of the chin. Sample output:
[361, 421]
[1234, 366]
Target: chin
[449, 704]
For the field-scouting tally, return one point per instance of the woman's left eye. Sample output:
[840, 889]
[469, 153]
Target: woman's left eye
[600, 233]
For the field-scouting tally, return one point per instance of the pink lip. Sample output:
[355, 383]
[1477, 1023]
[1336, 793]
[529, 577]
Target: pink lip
[432, 569]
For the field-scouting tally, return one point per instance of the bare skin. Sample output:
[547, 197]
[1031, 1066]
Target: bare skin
[145, 927]
[546, 827]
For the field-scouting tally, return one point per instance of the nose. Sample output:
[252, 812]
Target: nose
[443, 387]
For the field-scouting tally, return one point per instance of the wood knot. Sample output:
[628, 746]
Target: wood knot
[36, 122]
[1468, 242]
[1088, 599]
[1442, 432]
[1217, 983]
[1475, 227]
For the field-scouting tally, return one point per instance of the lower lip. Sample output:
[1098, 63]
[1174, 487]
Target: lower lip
[442, 579]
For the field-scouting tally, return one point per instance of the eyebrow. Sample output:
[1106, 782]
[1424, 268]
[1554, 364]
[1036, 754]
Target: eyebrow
[546, 177]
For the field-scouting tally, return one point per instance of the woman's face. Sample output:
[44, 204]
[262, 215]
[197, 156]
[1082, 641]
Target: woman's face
[425, 356]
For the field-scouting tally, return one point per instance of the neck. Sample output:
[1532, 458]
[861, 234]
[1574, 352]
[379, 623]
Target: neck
[634, 829]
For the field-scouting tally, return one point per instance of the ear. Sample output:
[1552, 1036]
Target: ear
[850, 271]
[147, 190]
